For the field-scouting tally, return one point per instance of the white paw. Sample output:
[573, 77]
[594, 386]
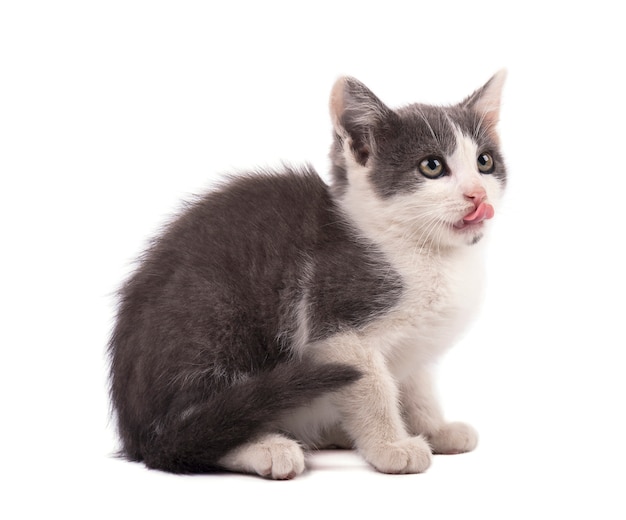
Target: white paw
[453, 438]
[272, 456]
[410, 455]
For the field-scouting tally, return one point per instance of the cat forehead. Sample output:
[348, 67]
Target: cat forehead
[433, 128]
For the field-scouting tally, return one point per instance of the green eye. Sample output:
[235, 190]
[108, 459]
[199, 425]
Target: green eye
[485, 163]
[432, 167]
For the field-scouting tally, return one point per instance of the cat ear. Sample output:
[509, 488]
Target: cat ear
[486, 100]
[356, 114]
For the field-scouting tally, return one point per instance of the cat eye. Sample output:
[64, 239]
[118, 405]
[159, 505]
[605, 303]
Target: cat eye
[485, 163]
[432, 167]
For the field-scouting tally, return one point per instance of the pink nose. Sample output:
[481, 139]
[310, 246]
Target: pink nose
[476, 195]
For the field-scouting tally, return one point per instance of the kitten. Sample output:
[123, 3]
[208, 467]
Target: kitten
[279, 314]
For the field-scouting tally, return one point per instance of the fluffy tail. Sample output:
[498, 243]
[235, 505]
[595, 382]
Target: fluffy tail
[201, 434]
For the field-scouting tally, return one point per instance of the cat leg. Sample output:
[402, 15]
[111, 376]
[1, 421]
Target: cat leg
[272, 455]
[371, 416]
[423, 416]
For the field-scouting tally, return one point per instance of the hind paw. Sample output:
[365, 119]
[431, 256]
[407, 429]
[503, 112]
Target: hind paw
[272, 456]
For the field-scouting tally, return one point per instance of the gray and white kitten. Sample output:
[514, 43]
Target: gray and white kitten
[279, 314]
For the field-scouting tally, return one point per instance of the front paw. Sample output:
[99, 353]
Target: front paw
[454, 438]
[410, 455]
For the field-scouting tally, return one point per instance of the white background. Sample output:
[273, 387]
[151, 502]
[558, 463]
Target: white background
[113, 112]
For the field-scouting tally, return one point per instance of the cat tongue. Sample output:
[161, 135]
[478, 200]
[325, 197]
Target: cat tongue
[482, 212]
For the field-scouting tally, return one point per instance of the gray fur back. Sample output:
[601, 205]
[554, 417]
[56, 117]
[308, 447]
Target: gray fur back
[215, 300]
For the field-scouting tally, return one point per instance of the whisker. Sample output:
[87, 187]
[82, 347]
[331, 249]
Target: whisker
[430, 128]
[483, 116]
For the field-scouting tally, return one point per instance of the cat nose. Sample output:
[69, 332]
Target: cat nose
[476, 195]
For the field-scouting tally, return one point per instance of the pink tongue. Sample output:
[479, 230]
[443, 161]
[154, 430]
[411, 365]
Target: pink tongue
[482, 212]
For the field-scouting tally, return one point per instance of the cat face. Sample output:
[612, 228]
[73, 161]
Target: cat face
[434, 175]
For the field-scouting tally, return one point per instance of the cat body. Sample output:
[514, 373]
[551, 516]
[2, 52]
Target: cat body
[278, 313]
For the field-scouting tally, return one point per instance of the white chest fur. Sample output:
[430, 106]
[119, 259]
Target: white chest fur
[442, 294]
[442, 285]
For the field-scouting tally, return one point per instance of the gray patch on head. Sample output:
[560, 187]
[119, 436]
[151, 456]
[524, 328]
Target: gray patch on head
[392, 143]
[419, 131]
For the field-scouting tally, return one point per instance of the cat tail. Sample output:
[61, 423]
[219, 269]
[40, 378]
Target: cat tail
[197, 436]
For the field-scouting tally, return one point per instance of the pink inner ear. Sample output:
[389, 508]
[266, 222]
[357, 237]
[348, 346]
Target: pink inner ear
[484, 211]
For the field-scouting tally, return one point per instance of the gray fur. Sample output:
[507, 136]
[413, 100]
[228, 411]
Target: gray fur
[213, 300]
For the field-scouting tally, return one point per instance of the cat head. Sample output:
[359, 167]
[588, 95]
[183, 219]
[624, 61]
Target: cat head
[433, 174]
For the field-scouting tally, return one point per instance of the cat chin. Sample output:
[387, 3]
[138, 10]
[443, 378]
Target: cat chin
[476, 238]
[465, 234]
